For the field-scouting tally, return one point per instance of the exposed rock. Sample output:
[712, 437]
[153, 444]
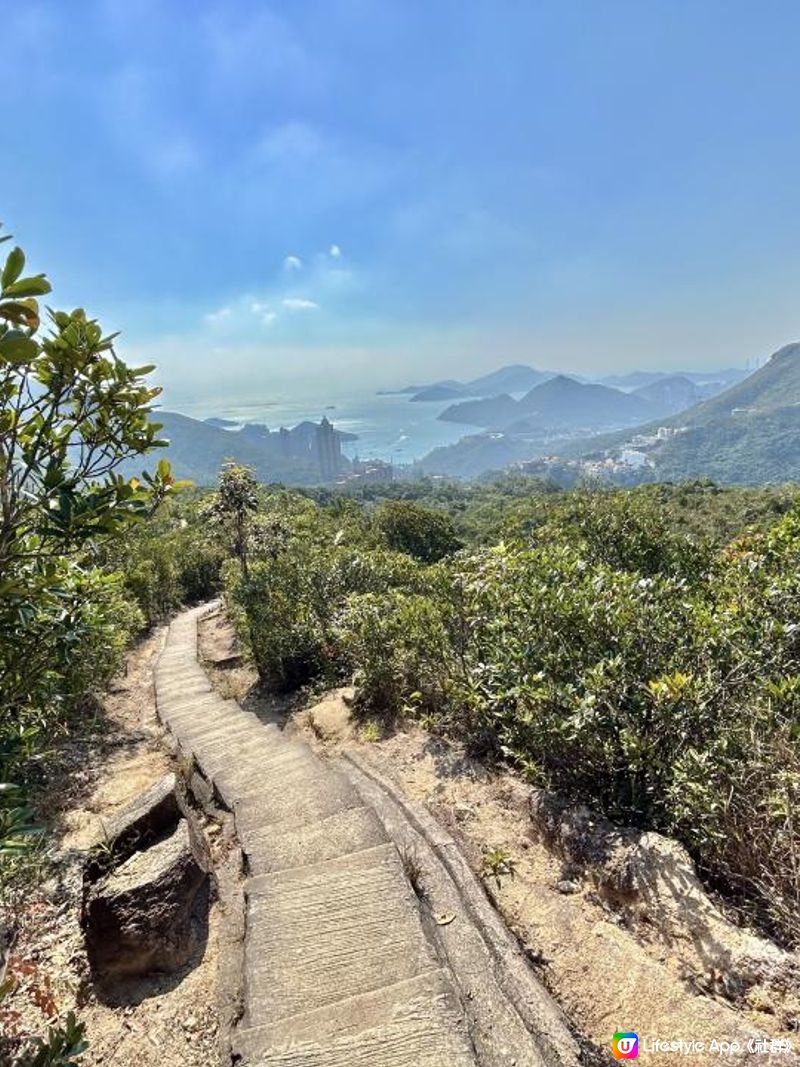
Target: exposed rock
[143, 821]
[331, 718]
[567, 886]
[651, 881]
[143, 916]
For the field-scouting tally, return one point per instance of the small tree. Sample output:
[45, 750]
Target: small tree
[232, 508]
[70, 413]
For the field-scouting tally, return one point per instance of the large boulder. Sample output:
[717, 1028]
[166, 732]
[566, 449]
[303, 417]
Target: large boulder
[147, 914]
[145, 819]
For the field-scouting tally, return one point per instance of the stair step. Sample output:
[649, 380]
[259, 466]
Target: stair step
[415, 1023]
[332, 930]
[169, 704]
[206, 729]
[305, 799]
[177, 669]
[260, 765]
[208, 711]
[219, 752]
[277, 849]
[331, 916]
[183, 690]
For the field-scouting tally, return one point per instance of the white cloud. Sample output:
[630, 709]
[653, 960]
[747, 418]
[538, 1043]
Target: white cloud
[263, 311]
[292, 263]
[334, 252]
[298, 303]
[218, 316]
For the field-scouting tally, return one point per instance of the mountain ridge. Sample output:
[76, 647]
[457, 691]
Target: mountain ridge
[560, 401]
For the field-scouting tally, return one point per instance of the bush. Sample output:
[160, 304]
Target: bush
[169, 561]
[421, 532]
[71, 412]
[56, 656]
[399, 645]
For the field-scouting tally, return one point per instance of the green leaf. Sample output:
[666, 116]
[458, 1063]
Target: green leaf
[17, 347]
[36, 285]
[13, 268]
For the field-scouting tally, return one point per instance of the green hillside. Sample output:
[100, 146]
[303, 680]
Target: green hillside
[775, 385]
[748, 434]
[746, 449]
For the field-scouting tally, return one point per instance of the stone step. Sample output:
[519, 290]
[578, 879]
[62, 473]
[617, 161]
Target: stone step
[204, 711]
[172, 687]
[248, 739]
[259, 765]
[198, 728]
[277, 849]
[207, 708]
[218, 750]
[263, 740]
[338, 971]
[303, 799]
[329, 931]
[172, 698]
[415, 1023]
[176, 657]
[177, 667]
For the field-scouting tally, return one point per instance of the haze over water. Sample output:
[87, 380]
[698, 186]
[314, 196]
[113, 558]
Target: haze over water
[388, 427]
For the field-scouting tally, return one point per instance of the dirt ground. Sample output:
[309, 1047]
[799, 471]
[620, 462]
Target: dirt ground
[607, 976]
[168, 1020]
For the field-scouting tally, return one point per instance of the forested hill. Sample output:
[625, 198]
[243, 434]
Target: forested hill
[748, 434]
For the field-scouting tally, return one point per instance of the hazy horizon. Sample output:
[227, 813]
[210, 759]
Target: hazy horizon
[372, 192]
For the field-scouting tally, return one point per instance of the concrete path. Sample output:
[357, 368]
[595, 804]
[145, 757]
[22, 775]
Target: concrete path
[338, 969]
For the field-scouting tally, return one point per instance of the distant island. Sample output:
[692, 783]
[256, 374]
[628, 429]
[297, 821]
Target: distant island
[515, 378]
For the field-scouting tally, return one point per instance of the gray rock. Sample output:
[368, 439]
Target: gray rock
[146, 915]
[567, 886]
[143, 821]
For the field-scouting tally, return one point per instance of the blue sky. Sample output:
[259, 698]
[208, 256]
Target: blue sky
[263, 193]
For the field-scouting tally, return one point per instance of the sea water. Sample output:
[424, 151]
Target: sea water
[391, 428]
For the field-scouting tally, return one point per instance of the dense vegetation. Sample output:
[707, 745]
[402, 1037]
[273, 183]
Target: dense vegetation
[585, 637]
[84, 565]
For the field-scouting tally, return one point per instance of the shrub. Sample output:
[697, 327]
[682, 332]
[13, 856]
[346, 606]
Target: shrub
[169, 561]
[54, 658]
[398, 643]
[70, 413]
[421, 532]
